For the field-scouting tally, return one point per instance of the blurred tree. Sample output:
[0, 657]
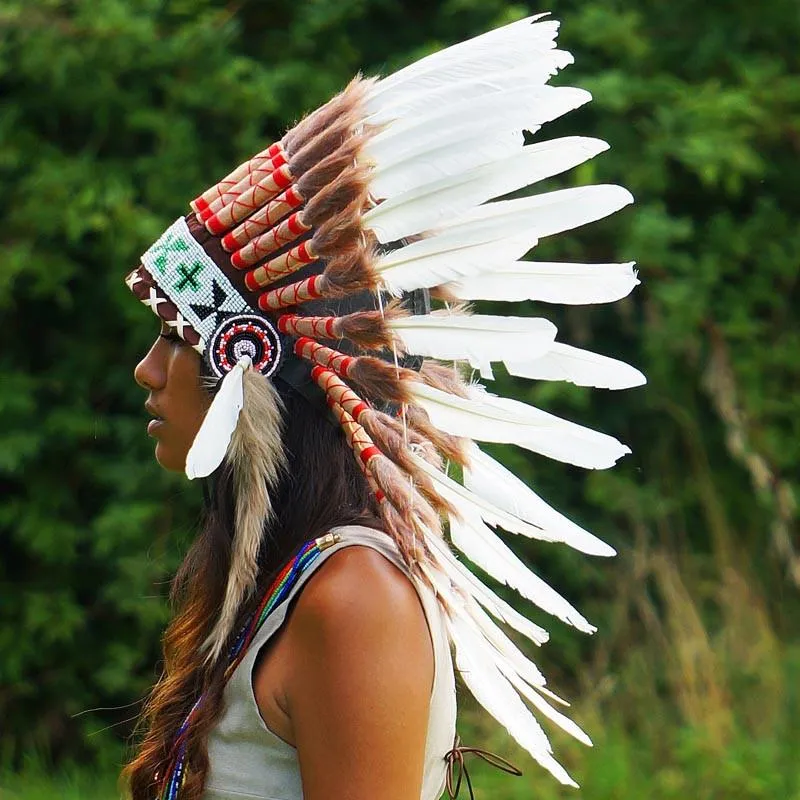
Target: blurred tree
[114, 112]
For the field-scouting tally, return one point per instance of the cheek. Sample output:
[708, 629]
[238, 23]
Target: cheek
[188, 401]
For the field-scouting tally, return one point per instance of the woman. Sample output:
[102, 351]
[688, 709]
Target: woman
[349, 676]
[310, 651]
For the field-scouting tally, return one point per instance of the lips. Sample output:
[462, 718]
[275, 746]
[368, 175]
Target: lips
[153, 411]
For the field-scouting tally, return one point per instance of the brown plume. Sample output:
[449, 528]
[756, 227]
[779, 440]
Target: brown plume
[322, 118]
[451, 447]
[379, 380]
[444, 377]
[368, 328]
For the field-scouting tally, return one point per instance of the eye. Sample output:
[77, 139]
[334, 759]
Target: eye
[170, 335]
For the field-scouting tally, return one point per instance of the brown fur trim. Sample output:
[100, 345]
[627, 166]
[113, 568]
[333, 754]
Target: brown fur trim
[325, 170]
[322, 118]
[443, 293]
[379, 379]
[257, 457]
[451, 447]
[350, 187]
[350, 272]
[339, 233]
[338, 136]
[389, 437]
[368, 329]
[444, 377]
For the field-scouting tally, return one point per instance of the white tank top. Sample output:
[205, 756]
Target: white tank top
[247, 760]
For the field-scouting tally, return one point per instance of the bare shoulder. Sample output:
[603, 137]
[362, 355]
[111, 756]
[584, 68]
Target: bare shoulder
[356, 591]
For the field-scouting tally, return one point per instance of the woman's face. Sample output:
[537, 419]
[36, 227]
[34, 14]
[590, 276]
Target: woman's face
[171, 374]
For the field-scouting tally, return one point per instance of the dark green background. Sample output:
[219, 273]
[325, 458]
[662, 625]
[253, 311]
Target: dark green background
[115, 112]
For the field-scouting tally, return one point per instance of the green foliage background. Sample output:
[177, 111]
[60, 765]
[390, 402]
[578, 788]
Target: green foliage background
[115, 112]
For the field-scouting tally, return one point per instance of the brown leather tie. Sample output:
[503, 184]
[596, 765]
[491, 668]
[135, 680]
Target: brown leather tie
[457, 768]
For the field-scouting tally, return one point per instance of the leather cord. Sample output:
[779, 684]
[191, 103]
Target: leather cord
[457, 768]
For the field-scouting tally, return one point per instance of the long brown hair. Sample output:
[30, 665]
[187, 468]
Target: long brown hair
[321, 488]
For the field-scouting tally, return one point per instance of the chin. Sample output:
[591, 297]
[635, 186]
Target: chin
[169, 459]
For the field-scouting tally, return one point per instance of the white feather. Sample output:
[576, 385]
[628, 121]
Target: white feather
[472, 505]
[478, 339]
[532, 68]
[466, 602]
[552, 212]
[581, 367]
[451, 142]
[492, 51]
[546, 282]
[427, 202]
[483, 547]
[211, 442]
[541, 705]
[493, 691]
[468, 583]
[539, 216]
[502, 653]
[509, 226]
[488, 418]
[497, 485]
[438, 259]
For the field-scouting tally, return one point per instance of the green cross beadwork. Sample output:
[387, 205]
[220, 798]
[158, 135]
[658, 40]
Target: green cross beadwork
[171, 244]
[188, 274]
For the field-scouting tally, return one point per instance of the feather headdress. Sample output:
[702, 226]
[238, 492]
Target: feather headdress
[318, 258]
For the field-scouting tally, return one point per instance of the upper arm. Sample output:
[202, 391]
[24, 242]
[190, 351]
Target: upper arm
[359, 680]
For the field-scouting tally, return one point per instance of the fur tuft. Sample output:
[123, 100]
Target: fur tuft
[451, 447]
[351, 272]
[444, 377]
[348, 188]
[257, 458]
[320, 120]
[397, 444]
[368, 328]
[380, 380]
[341, 232]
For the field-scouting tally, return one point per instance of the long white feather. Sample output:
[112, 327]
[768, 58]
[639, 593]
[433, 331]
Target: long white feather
[493, 691]
[492, 51]
[211, 441]
[471, 505]
[490, 480]
[483, 547]
[540, 215]
[500, 498]
[581, 367]
[508, 226]
[501, 643]
[464, 600]
[547, 282]
[488, 418]
[532, 68]
[468, 583]
[499, 650]
[451, 144]
[438, 259]
[427, 202]
[478, 339]
[554, 212]
[541, 705]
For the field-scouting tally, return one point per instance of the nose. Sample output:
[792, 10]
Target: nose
[151, 372]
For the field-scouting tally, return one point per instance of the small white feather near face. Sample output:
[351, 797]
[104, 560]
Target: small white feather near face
[212, 440]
